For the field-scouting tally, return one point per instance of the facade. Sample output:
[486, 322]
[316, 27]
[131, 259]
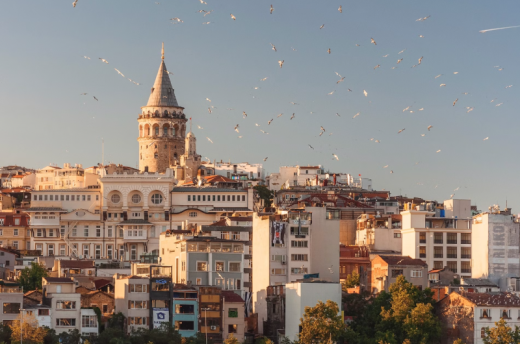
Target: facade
[11, 300]
[306, 293]
[73, 268]
[495, 248]
[467, 315]
[296, 243]
[89, 323]
[210, 310]
[354, 259]
[379, 232]
[14, 231]
[132, 296]
[233, 321]
[440, 241]
[100, 299]
[60, 295]
[384, 271]
[185, 306]
[275, 320]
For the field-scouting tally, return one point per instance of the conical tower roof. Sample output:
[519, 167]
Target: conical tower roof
[162, 91]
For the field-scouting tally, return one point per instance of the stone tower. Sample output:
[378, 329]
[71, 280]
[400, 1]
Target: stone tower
[190, 160]
[162, 126]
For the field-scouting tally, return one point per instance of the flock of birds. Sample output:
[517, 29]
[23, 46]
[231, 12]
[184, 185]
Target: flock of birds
[281, 62]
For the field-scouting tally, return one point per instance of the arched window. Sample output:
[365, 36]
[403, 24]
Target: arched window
[115, 198]
[173, 131]
[157, 130]
[165, 113]
[165, 130]
[156, 156]
[147, 129]
[136, 199]
[141, 131]
[157, 198]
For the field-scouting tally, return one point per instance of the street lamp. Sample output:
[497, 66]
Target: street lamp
[21, 326]
[205, 309]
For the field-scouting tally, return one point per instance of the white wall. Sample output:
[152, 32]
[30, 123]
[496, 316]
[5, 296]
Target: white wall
[261, 264]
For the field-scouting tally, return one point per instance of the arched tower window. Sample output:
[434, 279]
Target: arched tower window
[156, 155]
[141, 131]
[165, 113]
[173, 131]
[147, 129]
[165, 130]
[156, 130]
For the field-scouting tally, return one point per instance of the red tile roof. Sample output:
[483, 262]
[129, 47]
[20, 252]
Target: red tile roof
[219, 223]
[230, 296]
[487, 299]
[102, 283]
[402, 260]
[9, 219]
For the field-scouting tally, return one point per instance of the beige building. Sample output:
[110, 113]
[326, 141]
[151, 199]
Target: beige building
[60, 294]
[233, 320]
[132, 299]
[14, 231]
[384, 271]
[11, 300]
[440, 241]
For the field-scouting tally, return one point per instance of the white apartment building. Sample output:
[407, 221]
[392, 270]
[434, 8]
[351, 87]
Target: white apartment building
[60, 294]
[288, 246]
[239, 171]
[440, 241]
[132, 298]
[495, 248]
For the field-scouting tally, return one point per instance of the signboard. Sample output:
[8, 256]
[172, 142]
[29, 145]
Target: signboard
[303, 222]
[160, 315]
[277, 233]
[311, 276]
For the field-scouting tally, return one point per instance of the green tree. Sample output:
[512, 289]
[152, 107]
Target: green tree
[29, 329]
[265, 194]
[5, 334]
[351, 281]
[502, 334]
[31, 277]
[231, 339]
[70, 337]
[321, 323]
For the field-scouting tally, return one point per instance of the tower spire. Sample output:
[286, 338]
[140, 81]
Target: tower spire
[162, 51]
[190, 124]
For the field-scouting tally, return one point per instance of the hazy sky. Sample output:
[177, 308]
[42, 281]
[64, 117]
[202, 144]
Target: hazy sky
[45, 119]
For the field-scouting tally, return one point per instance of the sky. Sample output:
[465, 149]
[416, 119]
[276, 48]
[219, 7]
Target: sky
[45, 119]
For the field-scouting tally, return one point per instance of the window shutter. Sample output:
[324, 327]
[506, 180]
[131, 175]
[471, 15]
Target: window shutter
[128, 287]
[129, 304]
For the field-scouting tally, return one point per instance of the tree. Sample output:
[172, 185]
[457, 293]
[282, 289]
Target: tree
[265, 194]
[31, 277]
[502, 334]
[5, 333]
[70, 337]
[30, 330]
[321, 323]
[50, 337]
[231, 339]
[458, 341]
[351, 281]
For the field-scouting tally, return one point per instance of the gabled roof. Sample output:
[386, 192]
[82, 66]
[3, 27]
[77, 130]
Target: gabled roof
[402, 260]
[102, 283]
[162, 91]
[231, 296]
[221, 222]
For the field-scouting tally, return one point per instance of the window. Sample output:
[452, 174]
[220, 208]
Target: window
[438, 252]
[51, 232]
[299, 257]
[465, 267]
[397, 235]
[85, 231]
[465, 238]
[39, 232]
[278, 257]
[422, 238]
[219, 266]
[105, 309]
[236, 235]
[232, 328]
[485, 313]
[121, 232]
[72, 198]
[483, 331]
[184, 325]
[233, 313]
[198, 281]
[86, 250]
[98, 231]
[62, 231]
[65, 304]
[416, 273]
[62, 250]
[137, 304]
[74, 231]
[304, 231]
[189, 198]
[15, 231]
[98, 251]
[452, 238]
[157, 198]
[438, 238]
[115, 198]
[133, 252]
[109, 231]
[66, 322]
[234, 267]
[228, 198]
[43, 312]
[299, 243]
[465, 252]
[396, 273]
[277, 271]
[506, 314]
[192, 214]
[136, 199]
[121, 250]
[224, 235]
[231, 284]
[137, 320]
[11, 308]
[452, 266]
[202, 266]
[243, 198]
[89, 321]
[184, 309]
[452, 252]
[138, 288]
[422, 251]
[50, 249]
[298, 271]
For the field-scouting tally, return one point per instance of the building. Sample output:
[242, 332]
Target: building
[379, 232]
[41, 312]
[132, 299]
[307, 293]
[275, 320]
[60, 295]
[467, 315]
[440, 241]
[186, 310]
[495, 247]
[14, 231]
[354, 259]
[11, 299]
[296, 243]
[210, 310]
[233, 321]
[73, 268]
[97, 298]
[384, 271]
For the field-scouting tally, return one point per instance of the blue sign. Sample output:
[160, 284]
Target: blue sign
[161, 281]
[311, 276]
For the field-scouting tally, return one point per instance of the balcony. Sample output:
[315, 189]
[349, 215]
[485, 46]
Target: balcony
[135, 234]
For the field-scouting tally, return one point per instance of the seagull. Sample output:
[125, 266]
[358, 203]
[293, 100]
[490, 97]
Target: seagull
[423, 19]
[356, 115]
[455, 102]
[402, 51]
[169, 72]
[244, 114]
[271, 10]
[178, 20]
[469, 109]
[451, 196]
[399, 61]
[74, 3]
[292, 116]
[293, 49]
[209, 100]
[377, 141]
[421, 36]
[487, 138]
[203, 2]
[264, 79]
[335, 156]
[209, 139]
[438, 76]
[331, 93]
[420, 59]
[95, 98]
[373, 41]
[265, 158]
[264, 132]
[198, 126]
[293, 103]
[499, 104]
[337, 114]
[236, 128]
[273, 47]
[311, 147]
[366, 93]
[321, 27]
[442, 85]
[322, 129]
[269, 122]
[406, 108]
[400, 131]
[321, 133]
[88, 58]
[348, 89]
[421, 109]
[256, 124]
[209, 110]
[328, 51]
[509, 86]
[118, 72]
[340, 9]
[455, 72]
[438, 151]
[385, 166]
[429, 127]
[207, 23]
[357, 45]
[83, 94]
[103, 60]
[208, 12]
[391, 171]
[280, 115]
[233, 17]
[280, 62]
[376, 67]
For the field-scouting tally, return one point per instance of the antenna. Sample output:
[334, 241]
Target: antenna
[103, 152]
[162, 51]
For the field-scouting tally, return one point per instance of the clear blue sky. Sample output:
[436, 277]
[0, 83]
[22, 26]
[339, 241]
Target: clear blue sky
[44, 119]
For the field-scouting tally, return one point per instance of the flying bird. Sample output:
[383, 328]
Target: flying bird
[423, 19]
[373, 41]
[269, 122]
[178, 20]
[321, 27]
[438, 151]
[391, 171]
[340, 9]
[402, 51]
[209, 110]
[209, 100]
[328, 51]
[469, 109]
[118, 72]
[322, 129]
[335, 156]
[264, 132]
[509, 86]
[95, 98]
[264, 79]
[74, 3]
[88, 58]
[103, 60]
[265, 159]
[420, 59]
[376, 67]
[455, 102]
[406, 108]
[292, 116]
[366, 93]
[280, 115]
[293, 103]
[209, 139]
[356, 115]
[499, 28]
[442, 85]
[271, 10]
[385, 55]
[331, 93]
[198, 126]
[455, 72]
[399, 61]
[337, 114]
[385, 166]
[83, 94]
[311, 147]
[280, 62]
[244, 114]
[429, 127]
[487, 138]
[236, 128]
[233, 17]
[273, 47]
[400, 131]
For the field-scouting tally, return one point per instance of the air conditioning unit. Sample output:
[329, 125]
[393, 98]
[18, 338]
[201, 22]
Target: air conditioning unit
[213, 328]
